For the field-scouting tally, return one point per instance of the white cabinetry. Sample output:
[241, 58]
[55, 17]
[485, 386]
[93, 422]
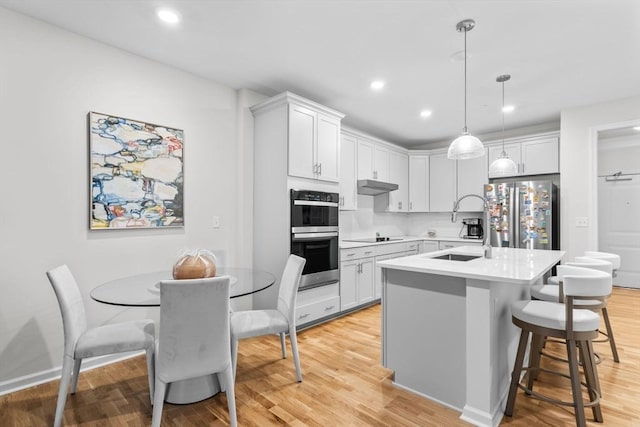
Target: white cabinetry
[448, 244]
[399, 174]
[533, 156]
[348, 184]
[373, 160]
[418, 183]
[310, 130]
[430, 246]
[356, 277]
[317, 303]
[384, 252]
[449, 181]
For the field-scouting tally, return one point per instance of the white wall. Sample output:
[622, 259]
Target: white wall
[620, 154]
[366, 221]
[49, 80]
[578, 167]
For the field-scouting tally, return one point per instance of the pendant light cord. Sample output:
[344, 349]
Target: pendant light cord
[465, 81]
[503, 152]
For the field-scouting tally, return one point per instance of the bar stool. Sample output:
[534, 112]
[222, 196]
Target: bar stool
[554, 293]
[577, 327]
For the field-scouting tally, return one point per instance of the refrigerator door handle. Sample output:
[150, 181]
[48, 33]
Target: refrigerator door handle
[514, 216]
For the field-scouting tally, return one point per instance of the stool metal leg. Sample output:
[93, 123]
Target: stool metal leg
[515, 374]
[612, 341]
[574, 373]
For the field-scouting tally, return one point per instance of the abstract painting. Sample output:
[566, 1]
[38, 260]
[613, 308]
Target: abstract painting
[136, 174]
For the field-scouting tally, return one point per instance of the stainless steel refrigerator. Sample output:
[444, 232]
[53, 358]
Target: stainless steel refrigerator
[523, 214]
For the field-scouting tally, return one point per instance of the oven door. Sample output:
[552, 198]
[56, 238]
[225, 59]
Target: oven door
[305, 214]
[321, 252]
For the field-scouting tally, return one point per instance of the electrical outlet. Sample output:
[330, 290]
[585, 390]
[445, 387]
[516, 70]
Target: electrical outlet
[582, 221]
[216, 222]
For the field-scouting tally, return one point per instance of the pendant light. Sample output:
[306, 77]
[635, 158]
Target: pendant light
[466, 146]
[503, 165]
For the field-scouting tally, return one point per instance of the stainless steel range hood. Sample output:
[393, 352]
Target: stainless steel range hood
[372, 187]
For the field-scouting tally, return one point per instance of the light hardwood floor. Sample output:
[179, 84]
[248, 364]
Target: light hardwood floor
[343, 385]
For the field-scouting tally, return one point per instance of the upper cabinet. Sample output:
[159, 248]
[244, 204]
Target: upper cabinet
[312, 133]
[418, 183]
[399, 174]
[373, 160]
[348, 185]
[451, 179]
[533, 156]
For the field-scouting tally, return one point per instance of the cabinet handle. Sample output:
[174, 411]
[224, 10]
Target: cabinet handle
[523, 168]
[302, 316]
[331, 307]
[351, 254]
[375, 174]
[410, 206]
[368, 252]
[399, 205]
[319, 168]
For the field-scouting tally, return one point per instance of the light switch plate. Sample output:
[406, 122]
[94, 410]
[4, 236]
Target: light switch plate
[582, 221]
[216, 221]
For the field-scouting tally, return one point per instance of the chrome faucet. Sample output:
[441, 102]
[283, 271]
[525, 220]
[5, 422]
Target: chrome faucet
[486, 246]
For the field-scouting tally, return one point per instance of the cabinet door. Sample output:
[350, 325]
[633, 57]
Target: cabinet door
[512, 150]
[472, 175]
[442, 183]
[418, 183]
[399, 174]
[302, 128]
[366, 291]
[540, 156]
[378, 273]
[328, 149]
[348, 186]
[349, 272]
[381, 163]
[429, 246]
[365, 159]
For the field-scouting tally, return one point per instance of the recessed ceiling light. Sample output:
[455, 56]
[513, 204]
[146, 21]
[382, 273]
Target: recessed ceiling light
[508, 108]
[425, 113]
[377, 84]
[636, 128]
[168, 16]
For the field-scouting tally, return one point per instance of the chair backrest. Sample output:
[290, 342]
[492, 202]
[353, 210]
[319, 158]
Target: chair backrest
[584, 282]
[593, 263]
[614, 259]
[194, 335]
[289, 287]
[74, 319]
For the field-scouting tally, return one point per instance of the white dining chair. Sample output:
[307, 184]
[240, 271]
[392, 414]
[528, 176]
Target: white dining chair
[577, 327]
[279, 320]
[194, 338]
[81, 342]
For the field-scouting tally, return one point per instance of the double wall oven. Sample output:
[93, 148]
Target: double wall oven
[314, 236]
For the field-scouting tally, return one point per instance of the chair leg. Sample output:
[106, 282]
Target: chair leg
[593, 385]
[158, 402]
[537, 343]
[151, 371]
[227, 377]
[65, 379]
[515, 374]
[234, 355]
[612, 341]
[574, 374]
[76, 375]
[283, 345]
[294, 349]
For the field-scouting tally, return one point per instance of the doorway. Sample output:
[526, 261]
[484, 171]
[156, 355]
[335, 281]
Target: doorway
[619, 200]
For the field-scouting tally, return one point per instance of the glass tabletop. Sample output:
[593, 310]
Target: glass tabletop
[144, 289]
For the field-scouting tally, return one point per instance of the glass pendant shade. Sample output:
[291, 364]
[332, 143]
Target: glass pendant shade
[466, 146]
[503, 166]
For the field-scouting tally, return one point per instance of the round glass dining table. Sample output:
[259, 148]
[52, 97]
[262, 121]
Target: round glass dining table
[143, 290]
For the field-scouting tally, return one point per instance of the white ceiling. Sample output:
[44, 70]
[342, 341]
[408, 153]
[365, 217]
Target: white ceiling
[560, 53]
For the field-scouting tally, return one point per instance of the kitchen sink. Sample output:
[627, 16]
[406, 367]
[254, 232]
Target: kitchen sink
[456, 257]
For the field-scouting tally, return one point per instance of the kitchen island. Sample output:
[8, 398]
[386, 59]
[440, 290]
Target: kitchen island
[446, 324]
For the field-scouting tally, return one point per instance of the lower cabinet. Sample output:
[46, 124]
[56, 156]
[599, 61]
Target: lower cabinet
[447, 244]
[316, 303]
[356, 282]
[430, 246]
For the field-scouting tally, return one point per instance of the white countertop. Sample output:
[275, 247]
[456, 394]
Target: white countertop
[521, 266]
[348, 245]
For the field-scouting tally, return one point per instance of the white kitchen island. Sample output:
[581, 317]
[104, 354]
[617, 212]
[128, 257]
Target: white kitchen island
[446, 325]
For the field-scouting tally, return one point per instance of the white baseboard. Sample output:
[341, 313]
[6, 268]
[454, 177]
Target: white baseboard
[53, 374]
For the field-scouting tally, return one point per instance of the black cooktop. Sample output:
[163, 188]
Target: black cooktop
[374, 239]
